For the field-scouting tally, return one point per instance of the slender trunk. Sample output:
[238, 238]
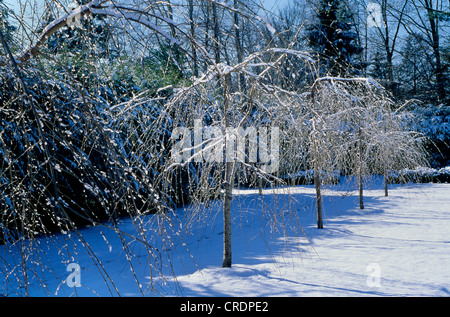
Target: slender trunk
[228, 183]
[318, 190]
[415, 76]
[361, 197]
[238, 46]
[260, 189]
[193, 49]
[172, 27]
[436, 51]
[318, 198]
[365, 49]
[207, 30]
[216, 33]
[387, 48]
[385, 183]
[228, 195]
[389, 69]
[174, 49]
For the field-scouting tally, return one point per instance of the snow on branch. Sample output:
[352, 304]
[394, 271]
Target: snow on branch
[222, 69]
[364, 80]
[135, 15]
[93, 7]
[51, 28]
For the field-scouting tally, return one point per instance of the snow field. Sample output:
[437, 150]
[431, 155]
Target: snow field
[396, 246]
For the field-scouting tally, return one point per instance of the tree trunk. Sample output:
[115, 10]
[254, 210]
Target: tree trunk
[387, 48]
[318, 198]
[436, 51]
[207, 19]
[216, 33]
[385, 183]
[361, 197]
[170, 14]
[238, 46]
[228, 184]
[193, 49]
[228, 195]
[389, 43]
[317, 187]
[389, 69]
[259, 180]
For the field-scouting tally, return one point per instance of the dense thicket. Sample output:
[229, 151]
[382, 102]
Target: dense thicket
[75, 169]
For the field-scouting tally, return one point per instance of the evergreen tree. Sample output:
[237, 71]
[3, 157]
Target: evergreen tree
[378, 69]
[334, 39]
[417, 67]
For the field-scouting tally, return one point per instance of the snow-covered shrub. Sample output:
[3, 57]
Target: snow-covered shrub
[75, 160]
[145, 129]
[434, 122]
[420, 175]
[78, 168]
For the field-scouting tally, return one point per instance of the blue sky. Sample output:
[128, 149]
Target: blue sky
[269, 4]
[273, 5]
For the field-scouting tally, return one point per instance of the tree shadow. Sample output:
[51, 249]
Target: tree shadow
[267, 226]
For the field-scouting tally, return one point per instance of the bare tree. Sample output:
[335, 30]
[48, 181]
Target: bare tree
[113, 159]
[388, 24]
[425, 19]
[236, 111]
[361, 129]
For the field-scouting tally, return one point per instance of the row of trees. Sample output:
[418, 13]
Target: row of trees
[402, 44]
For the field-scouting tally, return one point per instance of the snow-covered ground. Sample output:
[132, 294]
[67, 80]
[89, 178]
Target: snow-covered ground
[397, 246]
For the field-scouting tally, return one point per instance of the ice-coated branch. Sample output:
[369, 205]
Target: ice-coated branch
[364, 80]
[93, 7]
[135, 15]
[51, 28]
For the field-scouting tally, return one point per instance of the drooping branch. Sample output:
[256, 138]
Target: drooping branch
[93, 7]
[367, 81]
[136, 16]
[53, 27]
